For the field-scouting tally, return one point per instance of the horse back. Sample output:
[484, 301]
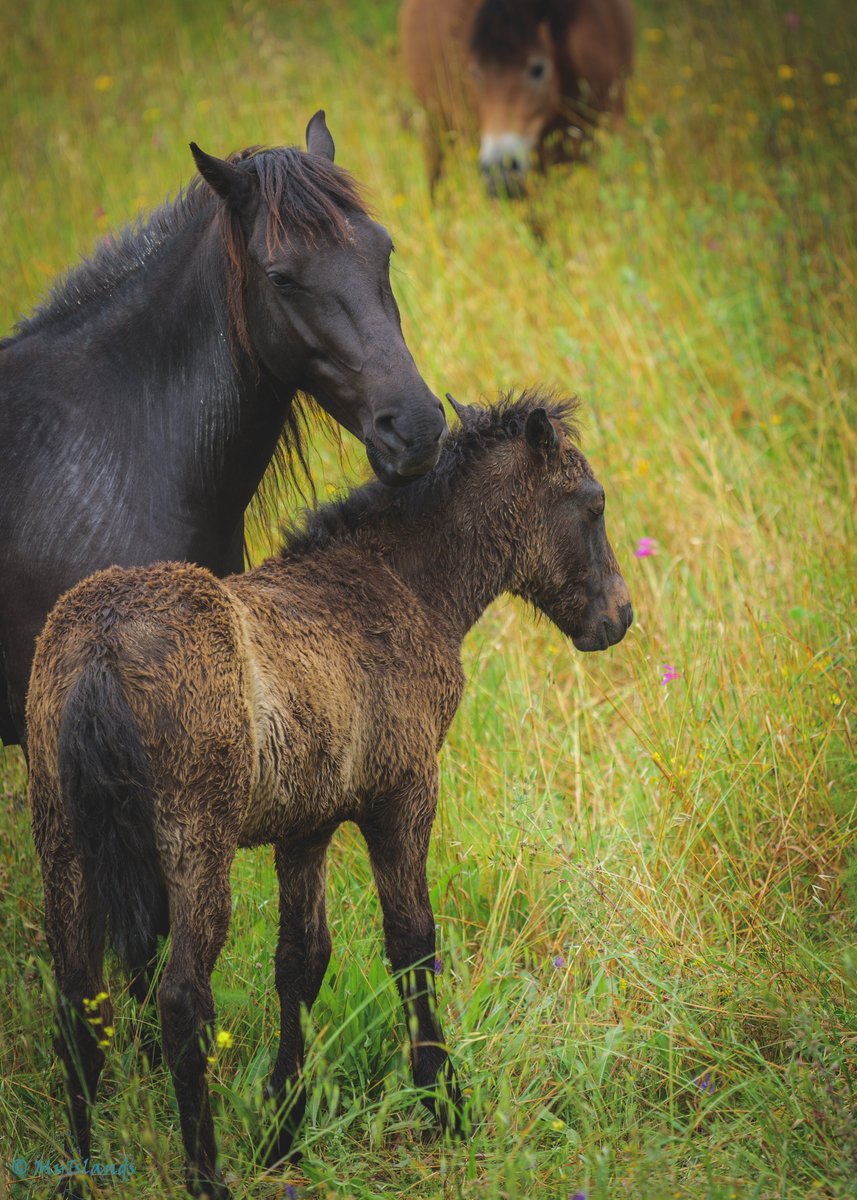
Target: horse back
[170, 637]
[599, 49]
[434, 36]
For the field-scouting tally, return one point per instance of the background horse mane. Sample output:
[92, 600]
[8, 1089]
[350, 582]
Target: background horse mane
[499, 27]
[479, 432]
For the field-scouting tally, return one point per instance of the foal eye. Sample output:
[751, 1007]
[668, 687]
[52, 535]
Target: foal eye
[597, 506]
[538, 69]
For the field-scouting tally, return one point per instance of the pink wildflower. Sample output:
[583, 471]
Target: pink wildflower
[646, 547]
[670, 673]
[792, 20]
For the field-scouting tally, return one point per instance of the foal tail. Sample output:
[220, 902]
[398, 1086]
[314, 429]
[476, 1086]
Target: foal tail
[107, 791]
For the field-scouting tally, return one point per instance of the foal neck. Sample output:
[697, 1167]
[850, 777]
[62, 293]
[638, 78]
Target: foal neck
[457, 554]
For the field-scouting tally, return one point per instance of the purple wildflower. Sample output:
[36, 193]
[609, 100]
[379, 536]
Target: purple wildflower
[578, 1196]
[559, 962]
[670, 673]
[646, 547]
[290, 1192]
[792, 20]
[705, 1082]
[438, 966]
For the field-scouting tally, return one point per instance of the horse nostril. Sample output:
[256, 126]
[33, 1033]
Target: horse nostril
[385, 428]
[627, 614]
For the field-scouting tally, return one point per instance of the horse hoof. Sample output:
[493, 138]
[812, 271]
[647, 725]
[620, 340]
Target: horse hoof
[208, 1189]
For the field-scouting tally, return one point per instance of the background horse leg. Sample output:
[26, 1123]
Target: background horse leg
[303, 952]
[201, 911]
[398, 839]
[74, 923]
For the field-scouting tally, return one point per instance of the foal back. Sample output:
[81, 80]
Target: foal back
[267, 705]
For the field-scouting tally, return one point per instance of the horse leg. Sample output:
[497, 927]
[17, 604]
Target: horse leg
[74, 924]
[303, 952]
[397, 835]
[200, 918]
[143, 986]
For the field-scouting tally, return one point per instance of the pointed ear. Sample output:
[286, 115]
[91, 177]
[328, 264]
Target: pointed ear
[541, 436]
[228, 181]
[318, 139]
[464, 412]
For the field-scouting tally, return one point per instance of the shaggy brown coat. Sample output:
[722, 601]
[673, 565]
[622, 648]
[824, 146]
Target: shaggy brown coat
[174, 717]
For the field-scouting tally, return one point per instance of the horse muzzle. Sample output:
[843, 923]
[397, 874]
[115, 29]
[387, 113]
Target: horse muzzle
[606, 632]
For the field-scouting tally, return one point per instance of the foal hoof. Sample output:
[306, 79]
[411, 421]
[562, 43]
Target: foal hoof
[281, 1152]
[208, 1189]
[70, 1188]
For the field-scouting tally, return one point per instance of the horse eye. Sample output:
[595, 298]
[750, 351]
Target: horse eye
[284, 282]
[538, 69]
[597, 507]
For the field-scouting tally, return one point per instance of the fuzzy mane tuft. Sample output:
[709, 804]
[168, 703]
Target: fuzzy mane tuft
[486, 427]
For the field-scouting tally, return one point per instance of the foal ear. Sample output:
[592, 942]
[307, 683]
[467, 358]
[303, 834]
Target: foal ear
[466, 413]
[228, 181]
[541, 436]
[318, 139]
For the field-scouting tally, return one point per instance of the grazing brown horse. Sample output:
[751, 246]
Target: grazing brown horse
[174, 717]
[534, 73]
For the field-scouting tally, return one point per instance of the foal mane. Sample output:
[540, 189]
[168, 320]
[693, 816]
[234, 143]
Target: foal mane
[486, 428]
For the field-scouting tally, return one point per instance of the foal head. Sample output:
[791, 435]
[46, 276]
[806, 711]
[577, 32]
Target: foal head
[562, 560]
[310, 298]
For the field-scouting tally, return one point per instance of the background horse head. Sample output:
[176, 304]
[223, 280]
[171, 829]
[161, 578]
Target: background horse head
[141, 404]
[531, 76]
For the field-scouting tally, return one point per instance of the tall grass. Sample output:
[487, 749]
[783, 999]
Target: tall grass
[646, 892]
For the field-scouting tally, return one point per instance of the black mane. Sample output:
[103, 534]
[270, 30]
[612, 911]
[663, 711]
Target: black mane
[503, 29]
[306, 195]
[486, 427]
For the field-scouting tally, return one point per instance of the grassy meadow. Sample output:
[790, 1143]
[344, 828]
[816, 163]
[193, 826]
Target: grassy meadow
[644, 871]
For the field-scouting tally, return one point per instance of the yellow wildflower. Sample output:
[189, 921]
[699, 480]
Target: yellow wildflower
[653, 35]
[831, 78]
[786, 102]
[103, 83]
[785, 72]
[224, 1038]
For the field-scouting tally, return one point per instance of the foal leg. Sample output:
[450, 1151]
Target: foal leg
[201, 910]
[303, 952]
[75, 930]
[143, 986]
[397, 835]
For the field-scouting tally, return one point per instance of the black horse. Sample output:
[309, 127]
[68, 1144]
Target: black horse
[141, 404]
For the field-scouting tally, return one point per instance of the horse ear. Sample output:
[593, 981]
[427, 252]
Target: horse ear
[318, 139]
[541, 436]
[462, 411]
[231, 184]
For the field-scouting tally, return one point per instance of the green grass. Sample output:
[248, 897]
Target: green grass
[685, 851]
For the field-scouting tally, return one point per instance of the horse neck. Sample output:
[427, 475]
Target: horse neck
[457, 555]
[203, 411]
